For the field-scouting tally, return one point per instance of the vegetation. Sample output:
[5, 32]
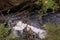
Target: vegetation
[42, 7]
[53, 31]
[47, 5]
[6, 33]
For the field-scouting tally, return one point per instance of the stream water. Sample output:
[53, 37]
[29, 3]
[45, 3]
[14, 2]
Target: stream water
[35, 23]
[55, 18]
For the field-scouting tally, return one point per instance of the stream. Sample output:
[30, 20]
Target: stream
[20, 20]
[19, 23]
[25, 16]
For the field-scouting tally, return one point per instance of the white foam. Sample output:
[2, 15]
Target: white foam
[20, 26]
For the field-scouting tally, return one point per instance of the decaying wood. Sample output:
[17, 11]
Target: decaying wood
[17, 8]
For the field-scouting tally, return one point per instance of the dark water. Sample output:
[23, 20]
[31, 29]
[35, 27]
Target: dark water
[33, 16]
[54, 18]
[35, 21]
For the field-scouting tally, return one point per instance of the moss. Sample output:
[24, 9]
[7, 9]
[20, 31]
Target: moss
[46, 4]
[4, 32]
[7, 34]
[53, 31]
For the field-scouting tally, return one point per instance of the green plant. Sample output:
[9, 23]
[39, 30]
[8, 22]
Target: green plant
[53, 31]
